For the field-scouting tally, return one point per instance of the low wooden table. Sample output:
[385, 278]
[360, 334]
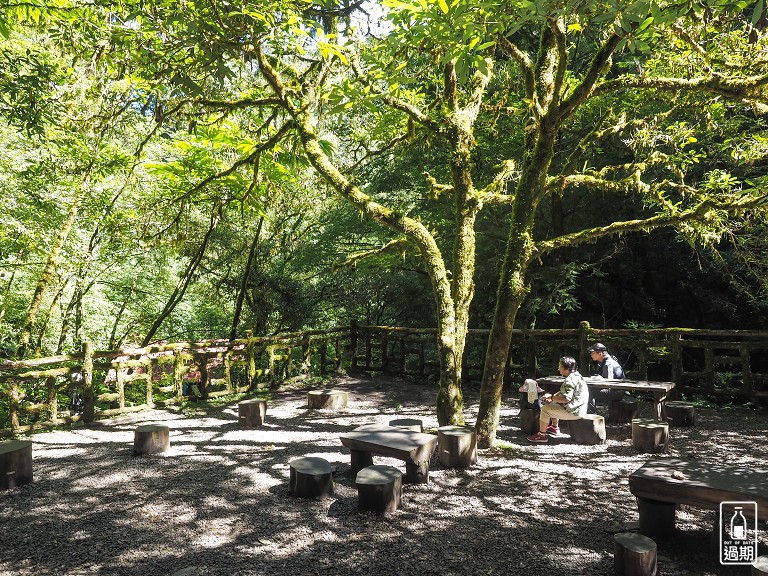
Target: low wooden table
[661, 484]
[414, 448]
[660, 390]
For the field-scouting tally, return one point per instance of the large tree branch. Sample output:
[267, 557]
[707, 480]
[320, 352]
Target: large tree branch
[523, 60]
[397, 103]
[732, 87]
[597, 67]
[396, 245]
[698, 212]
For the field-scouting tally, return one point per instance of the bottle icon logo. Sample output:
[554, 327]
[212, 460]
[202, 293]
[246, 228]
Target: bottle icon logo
[738, 532]
[738, 525]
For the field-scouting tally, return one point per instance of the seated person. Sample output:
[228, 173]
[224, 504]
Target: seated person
[608, 367]
[570, 403]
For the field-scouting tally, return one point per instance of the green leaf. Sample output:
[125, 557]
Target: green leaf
[443, 6]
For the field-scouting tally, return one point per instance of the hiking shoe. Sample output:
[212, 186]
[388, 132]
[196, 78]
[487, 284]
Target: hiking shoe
[553, 430]
[538, 437]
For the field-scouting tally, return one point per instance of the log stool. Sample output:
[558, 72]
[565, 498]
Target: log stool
[589, 430]
[634, 555]
[529, 421]
[15, 463]
[151, 439]
[760, 566]
[379, 488]
[328, 399]
[623, 411]
[679, 413]
[250, 413]
[310, 477]
[408, 423]
[457, 446]
[650, 435]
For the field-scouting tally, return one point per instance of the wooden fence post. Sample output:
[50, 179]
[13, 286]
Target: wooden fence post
[87, 372]
[178, 372]
[250, 353]
[202, 365]
[13, 404]
[53, 401]
[353, 341]
[677, 363]
[150, 367]
[228, 370]
[584, 332]
[120, 383]
[306, 353]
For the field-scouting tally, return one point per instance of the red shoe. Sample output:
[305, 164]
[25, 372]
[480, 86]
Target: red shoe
[553, 430]
[539, 438]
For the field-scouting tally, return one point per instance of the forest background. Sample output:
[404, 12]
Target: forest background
[179, 171]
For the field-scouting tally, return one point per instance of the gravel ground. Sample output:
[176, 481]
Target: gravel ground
[218, 502]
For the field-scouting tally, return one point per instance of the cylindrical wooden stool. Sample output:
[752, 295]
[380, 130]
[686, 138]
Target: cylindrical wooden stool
[589, 430]
[327, 399]
[408, 423]
[310, 477]
[15, 463]
[251, 413]
[151, 439]
[650, 435]
[457, 446]
[379, 488]
[529, 421]
[760, 566]
[623, 411]
[634, 555]
[680, 413]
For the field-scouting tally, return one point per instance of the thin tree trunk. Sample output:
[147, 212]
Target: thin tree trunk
[184, 281]
[244, 283]
[124, 305]
[49, 272]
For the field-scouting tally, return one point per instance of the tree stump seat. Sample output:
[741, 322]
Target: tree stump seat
[634, 555]
[379, 488]
[15, 463]
[310, 477]
[588, 430]
[327, 399]
[650, 436]
[680, 413]
[414, 424]
[623, 411]
[151, 439]
[457, 446]
[529, 421]
[251, 413]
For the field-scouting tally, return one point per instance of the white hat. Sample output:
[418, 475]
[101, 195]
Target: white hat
[533, 389]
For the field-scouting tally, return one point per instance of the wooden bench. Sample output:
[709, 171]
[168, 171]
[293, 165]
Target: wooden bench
[414, 448]
[661, 484]
[660, 390]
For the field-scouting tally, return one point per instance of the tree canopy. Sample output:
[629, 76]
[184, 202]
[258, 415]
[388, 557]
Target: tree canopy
[199, 168]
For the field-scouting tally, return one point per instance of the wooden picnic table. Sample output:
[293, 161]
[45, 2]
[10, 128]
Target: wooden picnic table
[660, 390]
[414, 448]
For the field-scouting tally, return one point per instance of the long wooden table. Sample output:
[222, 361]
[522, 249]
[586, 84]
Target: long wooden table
[660, 390]
[414, 448]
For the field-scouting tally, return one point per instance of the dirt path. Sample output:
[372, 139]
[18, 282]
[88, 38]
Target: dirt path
[218, 500]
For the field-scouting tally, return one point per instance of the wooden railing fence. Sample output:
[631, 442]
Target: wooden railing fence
[712, 363]
[106, 383]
